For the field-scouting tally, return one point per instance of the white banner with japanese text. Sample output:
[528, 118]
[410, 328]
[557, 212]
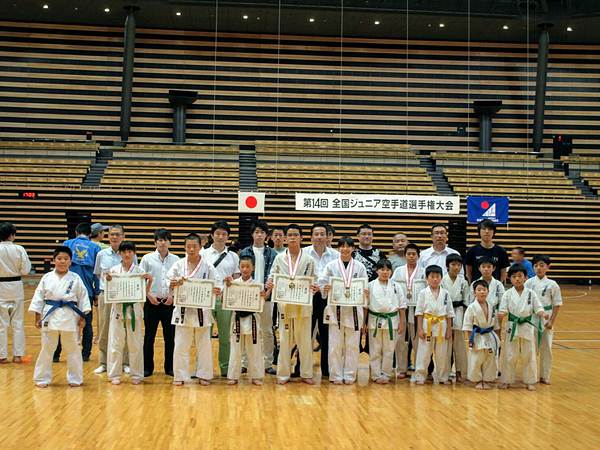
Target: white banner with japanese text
[418, 204]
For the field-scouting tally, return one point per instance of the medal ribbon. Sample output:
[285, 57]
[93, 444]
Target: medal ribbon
[293, 268]
[347, 273]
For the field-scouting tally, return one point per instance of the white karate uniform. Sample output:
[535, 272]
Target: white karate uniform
[344, 336]
[121, 334]
[188, 328]
[294, 322]
[521, 350]
[62, 322]
[14, 262]
[384, 298]
[495, 292]
[244, 344]
[549, 294]
[400, 276]
[459, 292]
[483, 362]
[433, 343]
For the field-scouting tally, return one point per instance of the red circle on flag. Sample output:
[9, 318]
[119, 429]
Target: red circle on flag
[485, 204]
[251, 201]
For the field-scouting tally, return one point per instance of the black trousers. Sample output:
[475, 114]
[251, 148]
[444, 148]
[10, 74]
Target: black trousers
[153, 315]
[319, 305]
[87, 336]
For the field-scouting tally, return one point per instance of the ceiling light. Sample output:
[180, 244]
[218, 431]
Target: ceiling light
[505, 27]
[178, 13]
[442, 25]
[311, 20]
[106, 10]
[569, 29]
[245, 17]
[45, 6]
[377, 22]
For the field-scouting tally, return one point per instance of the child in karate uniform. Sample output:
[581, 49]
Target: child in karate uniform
[126, 322]
[520, 305]
[434, 315]
[458, 288]
[411, 279]
[550, 297]
[479, 324]
[345, 322]
[192, 324]
[60, 303]
[386, 321]
[246, 335]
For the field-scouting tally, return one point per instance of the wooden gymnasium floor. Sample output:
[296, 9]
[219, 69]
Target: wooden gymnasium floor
[156, 415]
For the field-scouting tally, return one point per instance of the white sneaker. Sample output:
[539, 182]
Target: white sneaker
[126, 369]
[100, 369]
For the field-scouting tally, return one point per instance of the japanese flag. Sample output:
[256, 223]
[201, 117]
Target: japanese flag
[251, 202]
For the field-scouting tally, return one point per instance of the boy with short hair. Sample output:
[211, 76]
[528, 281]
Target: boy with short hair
[496, 288]
[458, 288]
[60, 303]
[411, 279]
[125, 327]
[434, 315]
[14, 263]
[479, 324]
[520, 304]
[192, 324]
[246, 333]
[517, 255]
[550, 297]
[489, 249]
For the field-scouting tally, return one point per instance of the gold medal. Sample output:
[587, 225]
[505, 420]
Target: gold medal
[291, 285]
[409, 295]
[347, 293]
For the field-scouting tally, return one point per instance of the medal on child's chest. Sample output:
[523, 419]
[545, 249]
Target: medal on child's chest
[293, 268]
[346, 275]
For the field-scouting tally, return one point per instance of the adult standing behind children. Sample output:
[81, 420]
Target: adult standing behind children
[438, 252]
[366, 253]
[486, 248]
[14, 263]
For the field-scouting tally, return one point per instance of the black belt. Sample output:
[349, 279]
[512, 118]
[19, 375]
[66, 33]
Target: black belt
[458, 304]
[338, 314]
[238, 329]
[6, 279]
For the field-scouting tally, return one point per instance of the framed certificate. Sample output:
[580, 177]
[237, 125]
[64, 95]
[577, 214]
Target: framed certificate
[243, 297]
[195, 293]
[294, 291]
[354, 296]
[125, 288]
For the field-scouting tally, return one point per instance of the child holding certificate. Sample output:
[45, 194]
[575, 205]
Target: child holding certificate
[192, 324]
[126, 322]
[245, 333]
[385, 322]
[344, 321]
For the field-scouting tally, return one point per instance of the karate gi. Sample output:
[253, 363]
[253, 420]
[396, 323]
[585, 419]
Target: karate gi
[521, 334]
[419, 283]
[246, 338]
[387, 299]
[459, 294]
[192, 324]
[549, 294]
[294, 321]
[435, 311]
[345, 323]
[14, 263]
[484, 343]
[60, 321]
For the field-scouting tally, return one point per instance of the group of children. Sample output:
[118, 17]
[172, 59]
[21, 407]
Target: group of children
[440, 317]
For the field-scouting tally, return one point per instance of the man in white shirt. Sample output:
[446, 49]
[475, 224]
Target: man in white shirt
[14, 263]
[437, 253]
[263, 260]
[159, 303]
[322, 255]
[226, 264]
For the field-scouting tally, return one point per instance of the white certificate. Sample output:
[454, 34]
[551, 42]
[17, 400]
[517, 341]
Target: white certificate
[294, 291]
[354, 296]
[195, 293]
[125, 288]
[243, 297]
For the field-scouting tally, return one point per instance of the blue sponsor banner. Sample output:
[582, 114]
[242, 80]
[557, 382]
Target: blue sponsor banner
[485, 207]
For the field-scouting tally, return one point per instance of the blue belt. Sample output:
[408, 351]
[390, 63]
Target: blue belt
[59, 304]
[478, 330]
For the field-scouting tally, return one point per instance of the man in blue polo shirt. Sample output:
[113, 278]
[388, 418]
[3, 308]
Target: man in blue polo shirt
[84, 258]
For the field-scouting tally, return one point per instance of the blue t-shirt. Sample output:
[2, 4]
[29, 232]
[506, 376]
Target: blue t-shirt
[527, 264]
[82, 263]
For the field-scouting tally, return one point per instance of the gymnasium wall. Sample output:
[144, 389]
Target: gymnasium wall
[61, 80]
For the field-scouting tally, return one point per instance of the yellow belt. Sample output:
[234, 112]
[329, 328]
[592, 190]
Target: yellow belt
[432, 320]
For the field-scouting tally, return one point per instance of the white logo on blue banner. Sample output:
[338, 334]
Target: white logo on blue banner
[485, 207]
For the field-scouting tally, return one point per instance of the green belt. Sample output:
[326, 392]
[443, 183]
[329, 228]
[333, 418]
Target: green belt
[520, 321]
[388, 317]
[125, 305]
[548, 308]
